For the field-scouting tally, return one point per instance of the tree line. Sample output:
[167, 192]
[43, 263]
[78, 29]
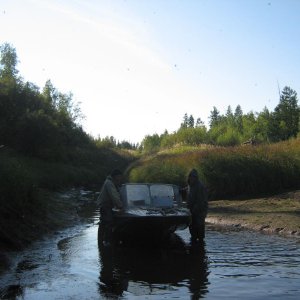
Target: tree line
[42, 148]
[111, 142]
[234, 127]
[43, 123]
[37, 123]
[46, 123]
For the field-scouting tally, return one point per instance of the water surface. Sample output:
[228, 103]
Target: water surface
[229, 265]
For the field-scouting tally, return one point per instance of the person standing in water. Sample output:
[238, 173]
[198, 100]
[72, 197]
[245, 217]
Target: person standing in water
[108, 199]
[198, 205]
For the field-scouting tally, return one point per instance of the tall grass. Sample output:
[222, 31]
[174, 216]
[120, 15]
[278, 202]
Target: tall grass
[228, 172]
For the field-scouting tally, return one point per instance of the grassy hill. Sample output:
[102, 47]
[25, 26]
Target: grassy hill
[228, 172]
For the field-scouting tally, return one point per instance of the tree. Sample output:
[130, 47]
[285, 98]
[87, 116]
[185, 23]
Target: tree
[229, 117]
[169, 140]
[238, 118]
[287, 114]
[50, 94]
[151, 143]
[238, 112]
[229, 113]
[185, 121]
[214, 117]
[199, 123]
[191, 121]
[62, 103]
[8, 61]
[125, 145]
[263, 126]
[107, 142]
[249, 123]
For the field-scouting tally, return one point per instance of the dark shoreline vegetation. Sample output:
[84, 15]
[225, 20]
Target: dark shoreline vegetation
[27, 181]
[44, 149]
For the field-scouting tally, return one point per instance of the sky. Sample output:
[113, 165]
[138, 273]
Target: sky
[137, 66]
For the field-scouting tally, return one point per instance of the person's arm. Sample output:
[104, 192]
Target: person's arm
[114, 195]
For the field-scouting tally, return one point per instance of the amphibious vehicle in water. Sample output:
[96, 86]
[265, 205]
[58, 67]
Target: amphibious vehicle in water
[151, 210]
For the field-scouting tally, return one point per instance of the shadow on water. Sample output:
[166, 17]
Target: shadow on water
[151, 269]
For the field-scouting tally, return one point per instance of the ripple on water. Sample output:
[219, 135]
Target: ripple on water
[230, 265]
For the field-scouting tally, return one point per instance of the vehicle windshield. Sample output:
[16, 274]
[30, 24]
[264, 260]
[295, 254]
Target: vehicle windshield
[160, 190]
[156, 195]
[138, 195]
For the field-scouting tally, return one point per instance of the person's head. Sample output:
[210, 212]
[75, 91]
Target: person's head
[193, 176]
[117, 176]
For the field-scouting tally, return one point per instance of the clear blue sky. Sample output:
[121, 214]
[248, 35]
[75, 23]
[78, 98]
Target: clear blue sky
[137, 66]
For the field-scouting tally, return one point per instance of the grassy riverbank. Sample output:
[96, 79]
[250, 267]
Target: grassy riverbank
[228, 172]
[28, 186]
[279, 214]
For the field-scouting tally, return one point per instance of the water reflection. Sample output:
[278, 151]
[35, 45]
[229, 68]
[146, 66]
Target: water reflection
[145, 270]
[11, 292]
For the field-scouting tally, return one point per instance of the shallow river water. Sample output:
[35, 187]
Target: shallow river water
[230, 265]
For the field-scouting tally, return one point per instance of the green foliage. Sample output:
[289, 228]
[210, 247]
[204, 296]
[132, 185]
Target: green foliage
[151, 143]
[185, 135]
[214, 117]
[191, 136]
[160, 169]
[8, 61]
[228, 171]
[110, 142]
[32, 122]
[287, 114]
[45, 125]
[85, 167]
[233, 129]
[42, 146]
[229, 138]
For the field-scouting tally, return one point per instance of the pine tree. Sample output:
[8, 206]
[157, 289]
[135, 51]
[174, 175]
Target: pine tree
[214, 117]
[286, 114]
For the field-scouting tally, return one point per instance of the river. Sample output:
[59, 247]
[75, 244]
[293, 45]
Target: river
[231, 264]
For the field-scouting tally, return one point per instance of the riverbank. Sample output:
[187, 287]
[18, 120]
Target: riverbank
[279, 214]
[33, 200]
[61, 210]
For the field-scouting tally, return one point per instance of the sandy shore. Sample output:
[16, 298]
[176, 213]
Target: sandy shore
[279, 214]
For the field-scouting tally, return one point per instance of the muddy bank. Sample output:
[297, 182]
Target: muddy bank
[63, 210]
[265, 228]
[279, 214]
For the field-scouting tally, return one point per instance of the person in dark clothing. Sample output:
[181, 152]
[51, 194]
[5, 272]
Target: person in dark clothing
[197, 203]
[108, 199]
